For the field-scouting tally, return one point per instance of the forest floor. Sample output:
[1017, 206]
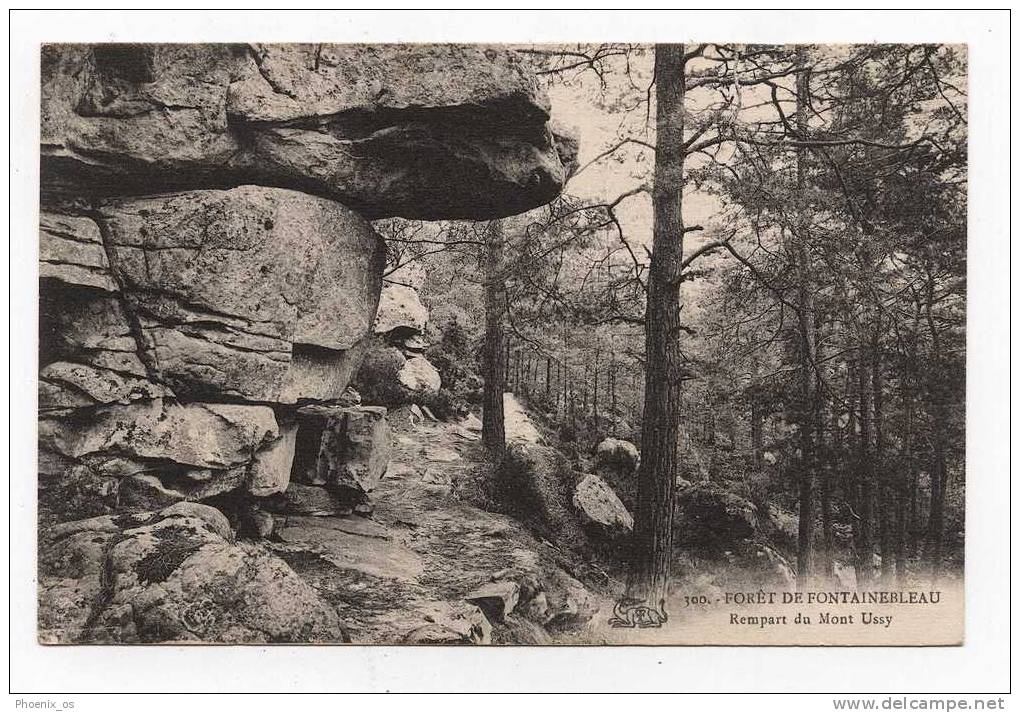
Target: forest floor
[426, 547]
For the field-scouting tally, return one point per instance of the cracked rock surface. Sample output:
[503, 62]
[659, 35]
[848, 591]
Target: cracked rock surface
[173, 575]
[419, 131]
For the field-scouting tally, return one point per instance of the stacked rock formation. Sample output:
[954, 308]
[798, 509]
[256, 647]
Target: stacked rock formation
[209, 278]
[395, 370]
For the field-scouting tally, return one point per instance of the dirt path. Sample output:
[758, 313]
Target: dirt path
[403, 574]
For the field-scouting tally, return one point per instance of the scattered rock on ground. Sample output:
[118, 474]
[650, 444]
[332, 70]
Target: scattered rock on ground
[495, 599]
[600, 506]
[618, 454]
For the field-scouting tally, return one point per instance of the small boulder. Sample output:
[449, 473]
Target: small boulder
[438, 454]
[418, 376]
[472, 423]
[400, 310]
[355, 452]
[617, 453]
[600, 506]
[452, 623]
[344, 448]
[495, 599]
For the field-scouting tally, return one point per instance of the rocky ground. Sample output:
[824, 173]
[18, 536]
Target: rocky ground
[428, 564]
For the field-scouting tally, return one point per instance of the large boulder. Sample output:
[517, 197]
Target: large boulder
[254, 293]
[535, 484]
[173, 575]
[388, 377]
[416, 130]
[599, 505]
[711, 517]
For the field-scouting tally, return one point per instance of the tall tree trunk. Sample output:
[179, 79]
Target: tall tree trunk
[823, 466]
[803, 347]
[886, 506]
[548, 377]
[865, 550]
[939, 470]
[653, 522]
[493, 428]
[905, 481]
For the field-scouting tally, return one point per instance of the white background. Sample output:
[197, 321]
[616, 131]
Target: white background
[982, 664]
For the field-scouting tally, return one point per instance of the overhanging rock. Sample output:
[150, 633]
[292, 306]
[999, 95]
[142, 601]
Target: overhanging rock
[419, 131]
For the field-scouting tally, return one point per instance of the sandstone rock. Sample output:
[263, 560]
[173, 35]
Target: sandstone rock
[422, 131]
[618, 454]
[270, 468]
[495, 599]
[471, 422]
[255, 522]
[355, 451]
[195, 435]
[171, 576]
[71, 252]
[454, 623]
[87, 327]
[438, 454]
[344, 448]
[257, 293]
[134, 118]
[419, 377]
[415, 345]
[365, 508]
[144, 491]
[351, 544]
[709, 516]
[533, 484]
[400, 309]
[436, 477]
[66, 385]
[557, 601]
[599, 505]
[150, 453]
[213, 518]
